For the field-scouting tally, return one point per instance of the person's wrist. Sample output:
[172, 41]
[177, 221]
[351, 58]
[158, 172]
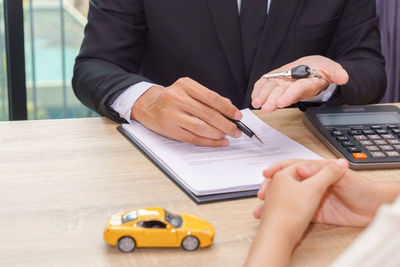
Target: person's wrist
[146, 101]
[281, 226]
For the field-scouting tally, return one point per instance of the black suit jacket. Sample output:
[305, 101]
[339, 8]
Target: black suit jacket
[129, 41]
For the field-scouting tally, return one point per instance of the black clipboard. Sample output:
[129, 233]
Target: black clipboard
[203, 199]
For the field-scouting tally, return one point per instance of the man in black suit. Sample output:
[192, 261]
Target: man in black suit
[137, 53]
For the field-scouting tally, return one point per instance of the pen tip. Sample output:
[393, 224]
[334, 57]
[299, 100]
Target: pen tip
[258, 139]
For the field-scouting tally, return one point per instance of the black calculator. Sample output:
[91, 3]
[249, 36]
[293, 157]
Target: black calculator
[367, 136]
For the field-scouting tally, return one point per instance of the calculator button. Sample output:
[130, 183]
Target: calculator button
[342, 138]
[372, 148]
[336, 133]
[366, 143]
[393, 154]
[385, 148]
[394, 141]
[360, 137]
[347, 144]
[392, 126]
[396, 131]
[353, 149]
[357, 127]
[375, 127]
[397, 147]
[381, 131]
[374, 137]
[367, 132]
[354, 132]
[380, 142]
[359, 156]
[378, 154]
[388, 136]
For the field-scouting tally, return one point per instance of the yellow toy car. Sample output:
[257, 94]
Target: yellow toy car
[156, 227]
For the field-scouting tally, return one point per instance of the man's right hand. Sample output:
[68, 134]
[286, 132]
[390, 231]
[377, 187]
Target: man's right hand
[189, 112]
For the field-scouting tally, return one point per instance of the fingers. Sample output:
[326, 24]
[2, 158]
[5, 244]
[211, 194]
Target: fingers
[198, 127]
[263, 188]
[304, 171]
[263, 90]
[257, 213]
[301, 89]
[198, 110]
[180, 134]
[278, 93]
[304, 168]
[329, 174]
[271, 170]
[208, 117]
[335, 73]
[257, 87]
[211, 98]
[270, 104]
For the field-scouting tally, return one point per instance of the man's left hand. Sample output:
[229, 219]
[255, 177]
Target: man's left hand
[270, 94]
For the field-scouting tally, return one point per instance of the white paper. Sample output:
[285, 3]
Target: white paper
[237, 167]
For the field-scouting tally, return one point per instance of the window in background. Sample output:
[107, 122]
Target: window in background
[3, 69]
[53, 34]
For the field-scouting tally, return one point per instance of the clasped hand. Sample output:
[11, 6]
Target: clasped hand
[297, 192]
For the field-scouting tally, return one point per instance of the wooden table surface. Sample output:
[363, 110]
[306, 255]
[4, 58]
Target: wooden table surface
[60, 180]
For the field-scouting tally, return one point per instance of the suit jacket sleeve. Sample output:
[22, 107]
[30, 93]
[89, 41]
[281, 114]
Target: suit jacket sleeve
[356, 46]
[111, 53]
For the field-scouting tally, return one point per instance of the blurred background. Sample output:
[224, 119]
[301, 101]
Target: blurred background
[53, 31]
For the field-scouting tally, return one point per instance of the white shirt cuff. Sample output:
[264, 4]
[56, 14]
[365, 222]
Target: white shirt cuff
[324, 95]
[124, 102]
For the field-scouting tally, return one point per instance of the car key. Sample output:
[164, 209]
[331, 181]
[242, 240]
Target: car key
[299, 72]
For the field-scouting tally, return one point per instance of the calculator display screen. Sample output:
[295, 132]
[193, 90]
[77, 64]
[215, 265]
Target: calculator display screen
[359, 118]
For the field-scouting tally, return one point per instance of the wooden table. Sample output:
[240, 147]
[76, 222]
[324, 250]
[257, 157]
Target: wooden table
[60, 180]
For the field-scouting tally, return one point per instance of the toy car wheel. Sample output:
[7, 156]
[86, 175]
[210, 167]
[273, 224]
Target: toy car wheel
[126, 244]
[190, 243]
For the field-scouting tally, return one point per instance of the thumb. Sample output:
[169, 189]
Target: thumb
[328, 175]
[335, 74]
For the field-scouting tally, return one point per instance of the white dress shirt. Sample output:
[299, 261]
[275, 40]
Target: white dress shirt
[124, 102]
[379, 244]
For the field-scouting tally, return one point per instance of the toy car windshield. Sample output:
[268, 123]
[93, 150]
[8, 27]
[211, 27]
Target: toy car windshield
[173, 219]
[131, 216]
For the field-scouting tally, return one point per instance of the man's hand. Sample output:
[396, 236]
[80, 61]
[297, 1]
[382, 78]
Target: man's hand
[351, 201]
[272, 93]
[187, 111]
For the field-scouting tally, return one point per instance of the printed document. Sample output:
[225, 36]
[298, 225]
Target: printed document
[237, 167]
